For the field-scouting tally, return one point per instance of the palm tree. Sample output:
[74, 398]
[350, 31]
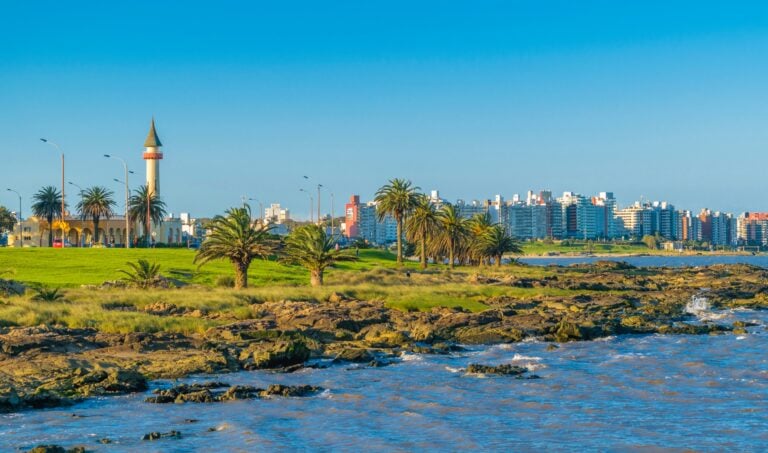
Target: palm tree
[142, 273]
[478, 226]
[453, 231]
[237, 239]
[96, 202]
[143, 202]
[396, 199]
[7, 219]
[47, 204]
[312, 248]
[421, 225]
[496, 242]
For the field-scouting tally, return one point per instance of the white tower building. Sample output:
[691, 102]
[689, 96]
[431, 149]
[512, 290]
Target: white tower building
[153, 156]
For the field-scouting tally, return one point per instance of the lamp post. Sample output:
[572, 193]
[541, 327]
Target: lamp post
[332, 202]
[319, 186]
[21, 230]
[261, 209]
[311, 203]
[82, 242]
[62, 183]
[127, 224]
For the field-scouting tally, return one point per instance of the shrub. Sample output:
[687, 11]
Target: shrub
[47, 295]
[142, 274]
[225, 281]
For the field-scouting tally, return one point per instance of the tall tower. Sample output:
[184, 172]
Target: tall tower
[153, 155]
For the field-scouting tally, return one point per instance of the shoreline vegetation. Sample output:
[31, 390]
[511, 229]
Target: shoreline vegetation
[98, 336]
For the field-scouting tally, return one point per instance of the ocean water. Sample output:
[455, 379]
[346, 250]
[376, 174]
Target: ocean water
[653, 261]
[636, 393]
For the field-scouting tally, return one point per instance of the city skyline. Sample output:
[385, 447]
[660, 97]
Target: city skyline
[661, 101]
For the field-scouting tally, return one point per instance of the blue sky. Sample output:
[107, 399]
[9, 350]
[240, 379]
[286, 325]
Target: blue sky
[661, 100]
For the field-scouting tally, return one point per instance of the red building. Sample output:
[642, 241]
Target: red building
[352, 214]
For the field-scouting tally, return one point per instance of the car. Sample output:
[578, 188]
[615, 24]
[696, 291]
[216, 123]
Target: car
[58, 243]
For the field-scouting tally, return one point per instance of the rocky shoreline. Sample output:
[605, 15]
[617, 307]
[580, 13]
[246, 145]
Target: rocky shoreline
[48, 366]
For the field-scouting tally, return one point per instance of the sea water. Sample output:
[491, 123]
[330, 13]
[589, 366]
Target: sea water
[615, 394]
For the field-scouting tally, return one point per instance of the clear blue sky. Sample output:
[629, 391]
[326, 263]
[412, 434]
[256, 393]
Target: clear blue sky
[668, 100]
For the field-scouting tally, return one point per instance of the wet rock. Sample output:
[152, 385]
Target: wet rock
[382, 337]
[56, 449]
[289, 390]
[568, 331]
[158, 435]
[504, 370]
[112, 381]
[355, 355]
[240, 392]
[194, 393]
[208, 393]
[277, 354]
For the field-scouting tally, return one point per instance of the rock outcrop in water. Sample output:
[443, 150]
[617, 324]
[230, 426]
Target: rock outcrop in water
[211, 392]
[46, 366]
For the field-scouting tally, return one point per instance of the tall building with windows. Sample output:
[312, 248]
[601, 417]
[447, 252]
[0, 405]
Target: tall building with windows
[752, 228]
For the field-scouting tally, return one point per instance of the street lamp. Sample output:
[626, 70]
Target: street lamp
[21, 230]
[82, 241]
[62, 182]
[311, 203]
[261, 209]
[127, 224]
[319, 186]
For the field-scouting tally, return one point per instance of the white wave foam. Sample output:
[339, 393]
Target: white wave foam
[406, 357]
[741, 337]
[518, 357]
[454, 370]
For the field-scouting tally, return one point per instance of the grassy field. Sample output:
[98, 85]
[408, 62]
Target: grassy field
[374, 277]
[580, 247]
[73, 267]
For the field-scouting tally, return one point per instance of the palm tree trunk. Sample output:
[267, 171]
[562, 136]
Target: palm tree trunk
[241, 275]
[50, 231]
[96, 228]
[450, 255]
[498, 261]
[399, 241]
[316, 277]
[424, 250]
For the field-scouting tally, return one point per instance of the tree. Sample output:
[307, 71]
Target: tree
[495, 242]
[95, 203]
[478, 226]
[236, 238]
[142, 273]
[138, 208]
[46, 203]
[420, 226]
[651, 242]
[7, 219]
[312, 248]
[396, 199]
[453, 231]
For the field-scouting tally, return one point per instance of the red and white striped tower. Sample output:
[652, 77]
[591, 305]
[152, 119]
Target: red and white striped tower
[153, 156]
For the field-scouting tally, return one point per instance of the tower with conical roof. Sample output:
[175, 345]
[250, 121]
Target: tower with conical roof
[153, 156]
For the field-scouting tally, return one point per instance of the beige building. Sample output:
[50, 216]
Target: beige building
[80, 233]
[77, 232]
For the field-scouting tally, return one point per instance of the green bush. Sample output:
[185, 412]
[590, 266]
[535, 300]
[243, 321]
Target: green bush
[225, 281]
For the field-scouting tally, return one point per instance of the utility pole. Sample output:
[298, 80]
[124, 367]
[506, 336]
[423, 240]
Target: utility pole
[21, 230]
[62, 185]
[127, 224]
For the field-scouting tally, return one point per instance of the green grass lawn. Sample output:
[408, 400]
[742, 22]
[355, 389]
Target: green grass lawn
[375, 276]
[578, 247]
[72, 267]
